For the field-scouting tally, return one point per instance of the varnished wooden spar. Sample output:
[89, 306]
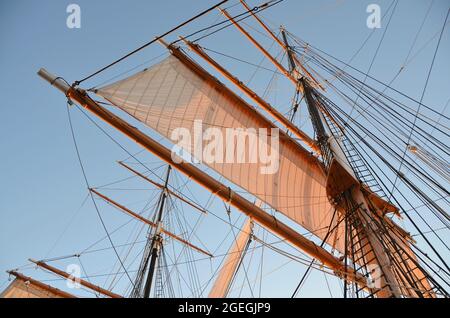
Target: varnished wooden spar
[211, 184]
[256, 98]
[148, 222]
[159, 185]
[204, 75]
[263, 50]
[75, 279]
[274, 37]
[281, 44]
[271, 34]
[41, 285]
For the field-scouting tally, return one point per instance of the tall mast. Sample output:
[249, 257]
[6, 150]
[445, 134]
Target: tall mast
[349, 197]
[288, 51]
[317, 122]
[214, 186]
[156, 244]
[345, 191]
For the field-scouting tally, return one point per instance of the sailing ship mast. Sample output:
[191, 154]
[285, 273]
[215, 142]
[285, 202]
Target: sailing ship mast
[377, 254]
[154, 248]
[343, 187]
[225, 193]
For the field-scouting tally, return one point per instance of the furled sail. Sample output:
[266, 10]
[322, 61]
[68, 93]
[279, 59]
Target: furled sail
[178, 93]
[223, 281]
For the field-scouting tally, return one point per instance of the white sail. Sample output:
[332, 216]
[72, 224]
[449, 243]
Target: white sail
[224, 279]
[171, 95]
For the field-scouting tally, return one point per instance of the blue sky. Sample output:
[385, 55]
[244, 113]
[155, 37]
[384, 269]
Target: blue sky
[42, 187]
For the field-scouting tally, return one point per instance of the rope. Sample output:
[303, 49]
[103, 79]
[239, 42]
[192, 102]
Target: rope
[245, 15]
[330, 229]
[420, 103]
[152, 41]
[88, 187]
[376, 52]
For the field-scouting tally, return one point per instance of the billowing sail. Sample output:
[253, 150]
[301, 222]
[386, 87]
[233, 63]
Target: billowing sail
[223, 281]
[178, 94]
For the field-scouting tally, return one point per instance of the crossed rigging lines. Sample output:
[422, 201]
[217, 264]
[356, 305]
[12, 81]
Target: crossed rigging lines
[413, 126]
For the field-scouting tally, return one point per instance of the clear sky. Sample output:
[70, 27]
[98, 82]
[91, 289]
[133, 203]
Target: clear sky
[41, 186]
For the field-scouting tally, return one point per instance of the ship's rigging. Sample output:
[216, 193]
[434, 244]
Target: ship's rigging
[346, 184]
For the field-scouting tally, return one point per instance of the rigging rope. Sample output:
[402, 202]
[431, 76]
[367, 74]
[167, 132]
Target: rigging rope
[376, 51]
[421, 100]
[260, 8]
[152, 41]
[310, 47]
[395, 171]
[242, 16]
[91, 195]
[330, 230]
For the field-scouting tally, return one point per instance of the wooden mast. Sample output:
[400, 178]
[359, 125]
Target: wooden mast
[356, 194]
[157, 240]
[251, 94]
[294, 61]
[344, 189]
[75, 279]
[219, 189]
